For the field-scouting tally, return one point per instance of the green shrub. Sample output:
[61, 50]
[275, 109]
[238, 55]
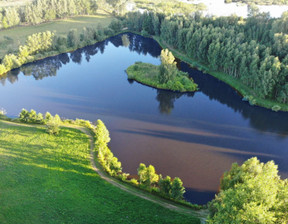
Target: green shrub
[276, 108]
[134, 182]
[144, 33]
[52, 128]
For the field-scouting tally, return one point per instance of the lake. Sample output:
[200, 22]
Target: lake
[193, 136]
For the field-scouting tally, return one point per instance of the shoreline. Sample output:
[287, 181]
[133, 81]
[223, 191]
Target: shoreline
[241, 89]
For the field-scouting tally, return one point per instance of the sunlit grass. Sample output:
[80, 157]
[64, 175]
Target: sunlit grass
[10, 39]
[49, 179]
[9, 3]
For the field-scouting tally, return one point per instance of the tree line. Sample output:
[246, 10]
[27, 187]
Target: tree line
[253, 50]
[36, 43]
[46, 43]
[148, 179]
[40, 11]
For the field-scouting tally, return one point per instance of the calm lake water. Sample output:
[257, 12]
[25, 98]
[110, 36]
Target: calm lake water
[193, 136]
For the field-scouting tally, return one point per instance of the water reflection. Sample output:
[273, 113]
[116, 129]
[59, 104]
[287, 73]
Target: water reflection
[259, 118]
[50, 66]
[125, 40]
[204, 133]
[167, 99]
[213, 88]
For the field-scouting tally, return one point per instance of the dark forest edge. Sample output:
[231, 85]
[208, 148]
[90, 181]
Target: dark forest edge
[165, 76]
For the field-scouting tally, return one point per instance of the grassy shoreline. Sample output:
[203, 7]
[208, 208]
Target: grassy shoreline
[49, 178]
[104, 20]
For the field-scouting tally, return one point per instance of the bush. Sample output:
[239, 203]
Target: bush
[134, 182]
[52, 128]
[276, 108]
[144, 33]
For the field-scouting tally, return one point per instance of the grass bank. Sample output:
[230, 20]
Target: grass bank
[49, 179]
[148, 74]
[242, 89]
[11, 39]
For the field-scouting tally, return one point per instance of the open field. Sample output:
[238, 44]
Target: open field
[10, 39]
[8, 3]
[48, 179]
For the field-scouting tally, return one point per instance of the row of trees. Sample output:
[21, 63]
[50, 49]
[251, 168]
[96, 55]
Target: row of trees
[254, 51]
[148, 178]
[45, 10]
[36, 43]
[172, 189]
[37, 118]
[251, 193]
[52, 122]
[106, 158]
[42, 44]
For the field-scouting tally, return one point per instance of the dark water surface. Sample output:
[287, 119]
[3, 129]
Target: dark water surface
[193, 136]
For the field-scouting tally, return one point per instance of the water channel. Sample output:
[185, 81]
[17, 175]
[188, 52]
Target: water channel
[193, 136]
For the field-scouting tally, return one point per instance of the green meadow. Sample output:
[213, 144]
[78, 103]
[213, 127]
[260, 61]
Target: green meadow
[10, 39]
[49, 179]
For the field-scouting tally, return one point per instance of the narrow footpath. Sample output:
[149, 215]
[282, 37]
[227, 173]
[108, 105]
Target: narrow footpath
[202, 214]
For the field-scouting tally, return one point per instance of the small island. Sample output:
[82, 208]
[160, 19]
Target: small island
[165, 76]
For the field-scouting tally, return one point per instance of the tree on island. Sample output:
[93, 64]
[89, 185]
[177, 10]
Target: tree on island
[168, 67]
[251, 193]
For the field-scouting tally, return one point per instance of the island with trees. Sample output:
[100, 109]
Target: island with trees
[165, 76]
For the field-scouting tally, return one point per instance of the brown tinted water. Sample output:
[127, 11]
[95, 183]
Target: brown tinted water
[193, 136]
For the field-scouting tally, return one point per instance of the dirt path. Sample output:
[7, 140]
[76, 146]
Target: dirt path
[202, 214]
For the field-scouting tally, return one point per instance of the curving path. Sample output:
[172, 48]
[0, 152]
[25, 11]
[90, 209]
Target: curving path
[202, 214]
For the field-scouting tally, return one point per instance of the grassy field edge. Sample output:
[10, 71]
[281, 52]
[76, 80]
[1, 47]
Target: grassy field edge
[201, 214]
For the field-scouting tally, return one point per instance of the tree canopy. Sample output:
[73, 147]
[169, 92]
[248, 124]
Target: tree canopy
[251, 193]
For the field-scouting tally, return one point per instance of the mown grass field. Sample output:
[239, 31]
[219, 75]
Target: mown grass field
[9, 3]
[10, 39]
[48, 179]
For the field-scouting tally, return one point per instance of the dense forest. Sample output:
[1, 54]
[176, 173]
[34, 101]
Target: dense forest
[261, 2]
[253, 51]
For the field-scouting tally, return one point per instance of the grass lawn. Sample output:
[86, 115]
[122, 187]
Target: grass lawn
[10, 39]
[48, 179]
[9, 3]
